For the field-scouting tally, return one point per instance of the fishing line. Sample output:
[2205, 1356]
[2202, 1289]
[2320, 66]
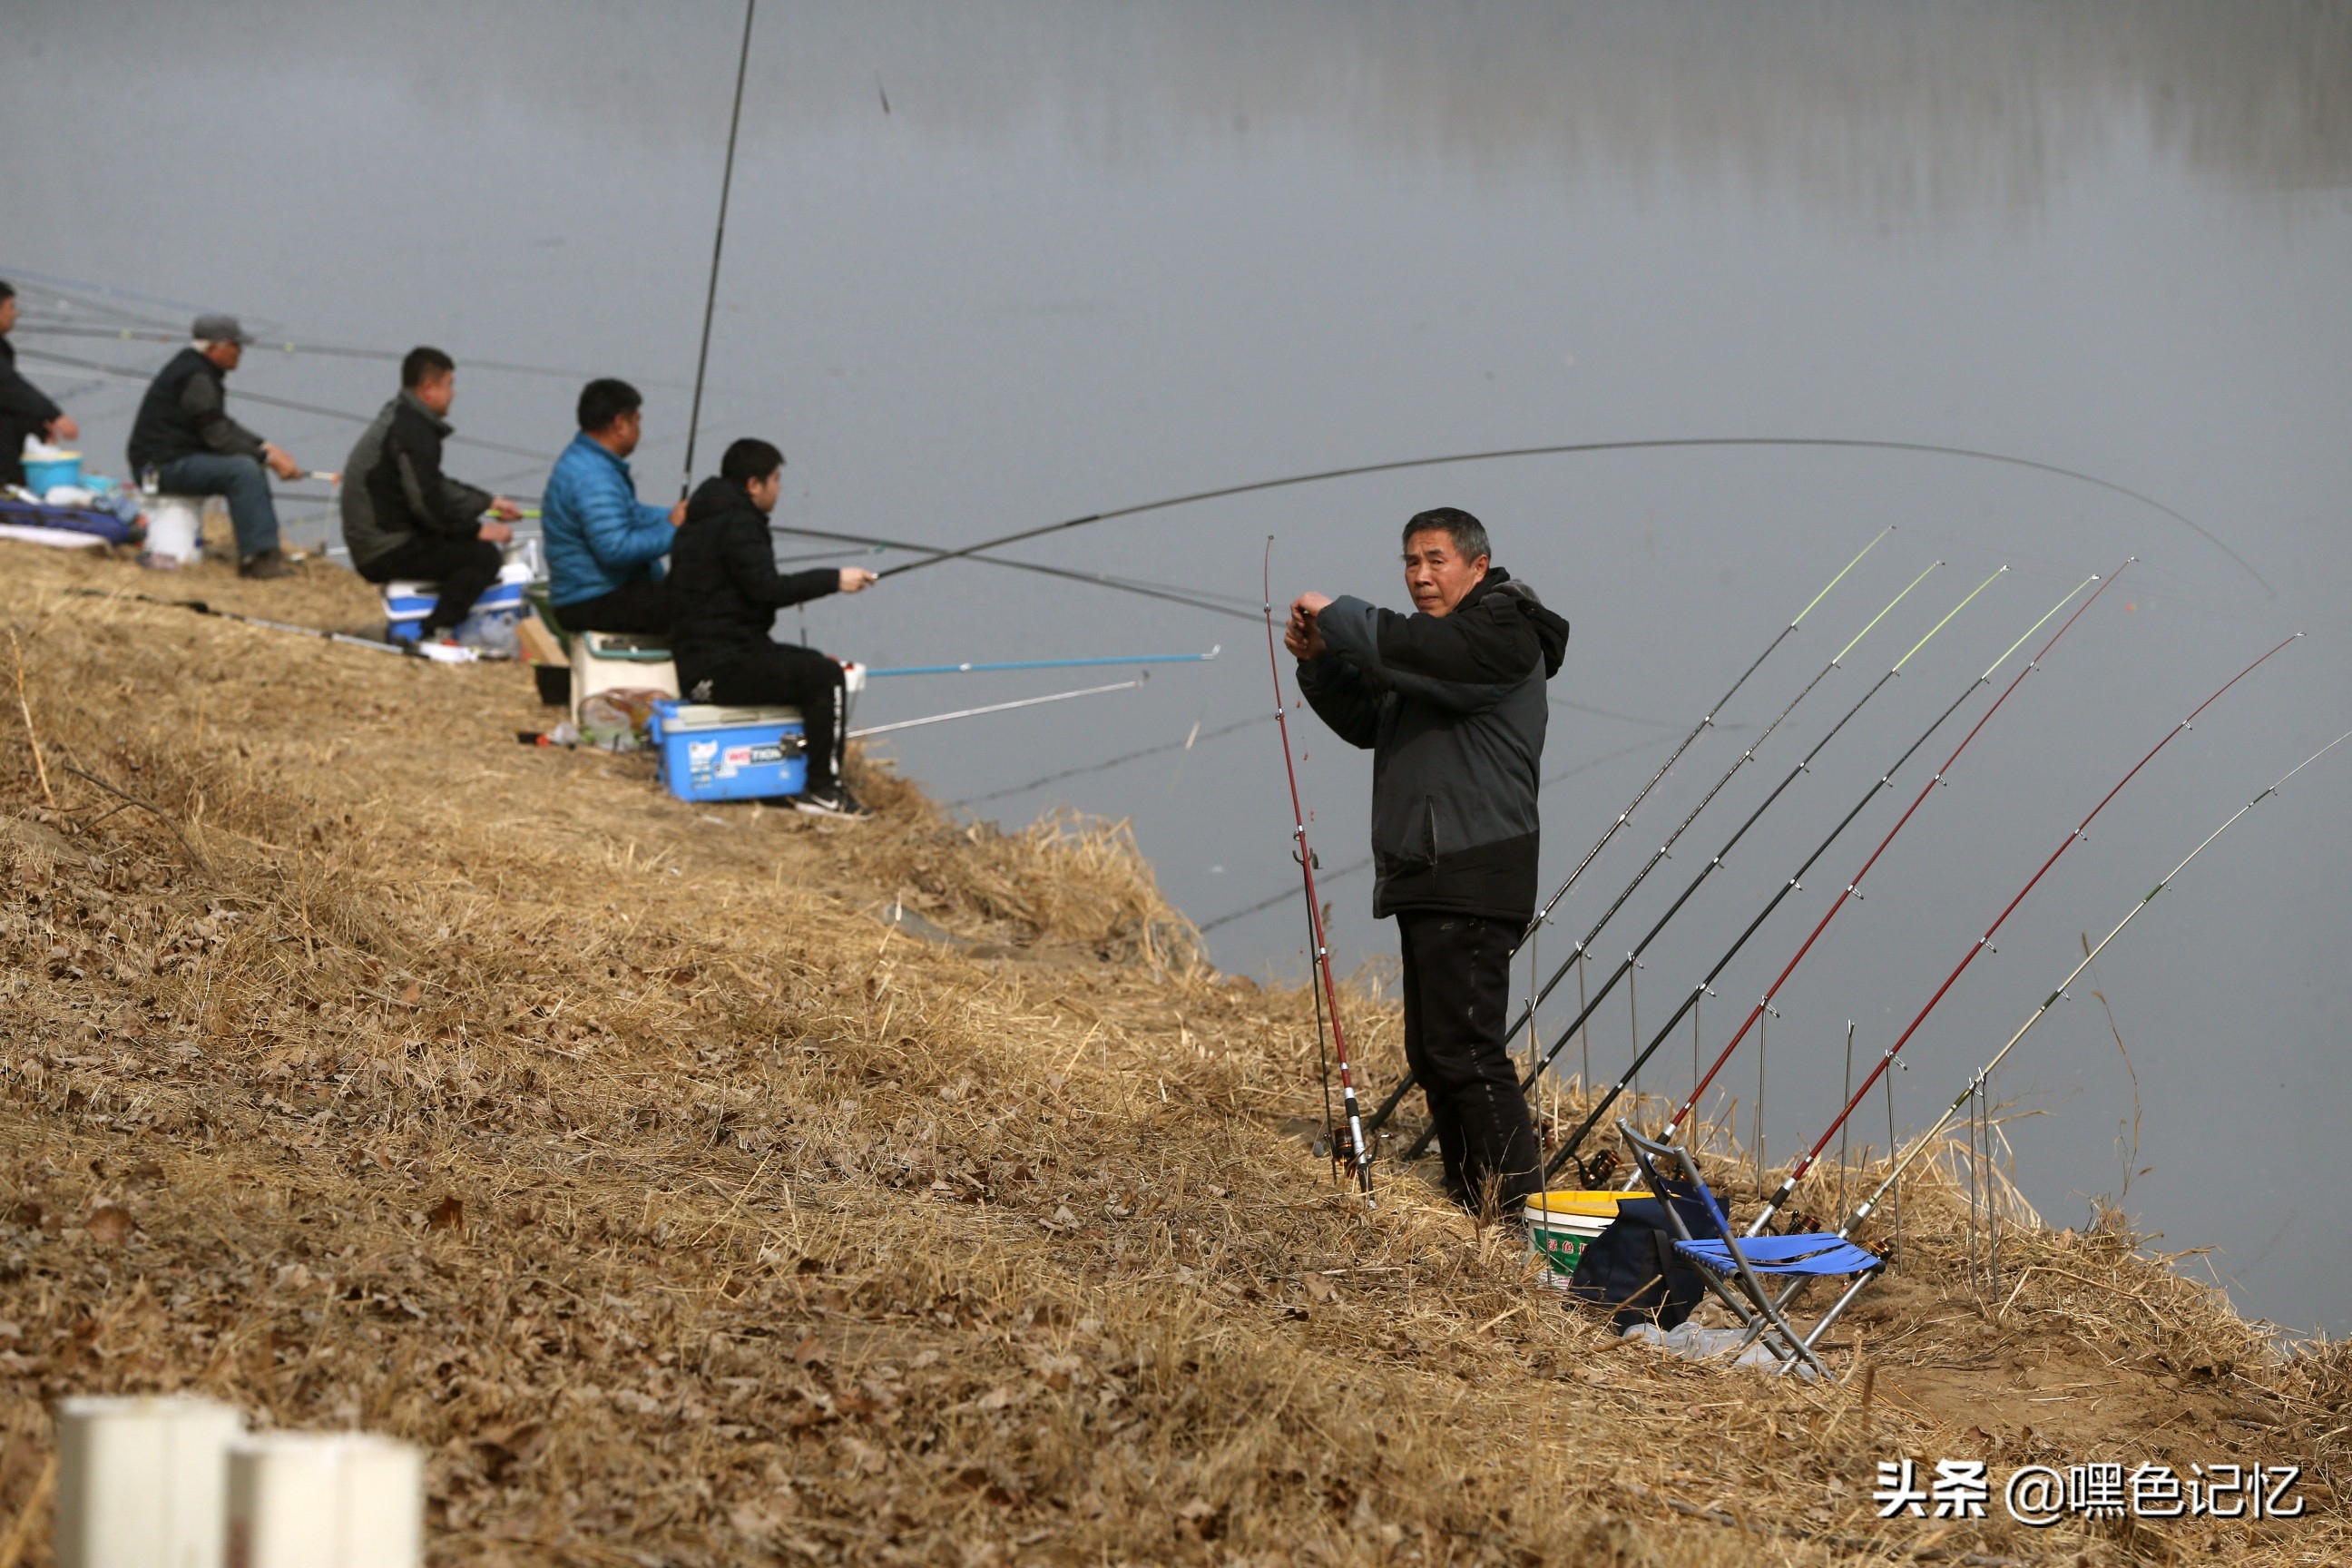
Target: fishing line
[289, 347]
[1120, 760]
[1576, 1139]
[1044, 663]
[1577, 449]
[287, 403]
[1359, 1156]
[1365, 864]
[1977, 1081]
[1537, 996]
[717, 243]
[1773, 1204]
[1854, 883]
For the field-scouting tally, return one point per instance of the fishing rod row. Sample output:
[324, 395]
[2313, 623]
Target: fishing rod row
[1850, 891]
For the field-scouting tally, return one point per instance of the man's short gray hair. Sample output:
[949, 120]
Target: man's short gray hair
[1469, 535]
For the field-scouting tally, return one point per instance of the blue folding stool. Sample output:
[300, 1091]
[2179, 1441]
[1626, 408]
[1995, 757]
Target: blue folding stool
[1734, 1267]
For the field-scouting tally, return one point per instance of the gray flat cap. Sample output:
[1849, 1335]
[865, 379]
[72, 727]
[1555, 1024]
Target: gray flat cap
[217, 329]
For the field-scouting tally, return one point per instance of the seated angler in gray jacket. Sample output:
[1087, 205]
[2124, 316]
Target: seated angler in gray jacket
[185, 441]
[1450, 701]
[404, 517]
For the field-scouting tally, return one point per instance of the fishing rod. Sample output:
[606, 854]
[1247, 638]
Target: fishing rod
[995, 708]
[1853, 884]
[1396, 1097]
[1575, 1140]
[718, 244]
[1196, 598]
[1579, 448]
[431, 653]
[1359, 1157]
[1977, 1081]
[125, 374]
[1046, 664]
[1773, 1204]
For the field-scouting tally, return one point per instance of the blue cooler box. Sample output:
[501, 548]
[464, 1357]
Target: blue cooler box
[710, 752]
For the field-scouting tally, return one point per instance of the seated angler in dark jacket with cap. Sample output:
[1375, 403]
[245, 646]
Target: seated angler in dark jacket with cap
[183, 435]
[724, 592]
[1450, 703]
[403, 517]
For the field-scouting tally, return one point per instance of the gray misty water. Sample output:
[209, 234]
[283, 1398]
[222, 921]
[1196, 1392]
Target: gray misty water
[992, 266]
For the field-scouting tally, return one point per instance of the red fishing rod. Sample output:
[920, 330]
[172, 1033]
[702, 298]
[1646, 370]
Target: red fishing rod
[1795, 883]
[1853, 884]
[1358, 1157]
[1797, 1173]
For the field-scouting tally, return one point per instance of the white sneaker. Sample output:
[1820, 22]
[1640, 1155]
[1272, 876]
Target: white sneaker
[836, 802]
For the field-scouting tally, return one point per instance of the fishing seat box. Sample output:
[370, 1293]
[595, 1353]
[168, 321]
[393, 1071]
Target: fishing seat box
[407, 603]
[712, 752]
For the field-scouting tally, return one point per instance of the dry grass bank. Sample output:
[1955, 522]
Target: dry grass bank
[373, 1068]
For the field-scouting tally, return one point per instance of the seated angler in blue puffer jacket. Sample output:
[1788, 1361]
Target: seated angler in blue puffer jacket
[1450, 701]
[604, 546]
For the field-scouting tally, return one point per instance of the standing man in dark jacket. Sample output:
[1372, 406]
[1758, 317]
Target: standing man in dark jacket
[25, 409]
[1450, 701]
[403, 517]
[724, 592]
[184, 434]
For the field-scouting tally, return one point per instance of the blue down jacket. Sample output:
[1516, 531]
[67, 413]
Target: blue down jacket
[600, 536]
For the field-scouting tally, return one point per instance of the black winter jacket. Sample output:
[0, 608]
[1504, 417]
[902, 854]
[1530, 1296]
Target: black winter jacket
[25, 411]
[724, 588]
[393, 489]
[185, 414]
[1454, 712]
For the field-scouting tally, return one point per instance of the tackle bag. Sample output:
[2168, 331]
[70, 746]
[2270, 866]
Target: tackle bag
[1632, 1271]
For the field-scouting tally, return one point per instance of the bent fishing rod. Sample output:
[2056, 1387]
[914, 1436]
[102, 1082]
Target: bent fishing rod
[1327, 991]
[1853, 884]
[1773, 1204]
[1581, 448]
[1599, 1107]
[718, 244]
[1396, 1096]
[1977, 1081]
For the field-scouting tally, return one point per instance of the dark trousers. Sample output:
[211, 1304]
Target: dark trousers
[783, 675]
[242, 481]
[1457, 985]
[641, 607]
[463, 567]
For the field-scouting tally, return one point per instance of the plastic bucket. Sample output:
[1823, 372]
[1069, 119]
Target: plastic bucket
[175, 529]
[44, 474]
[1561, 1224]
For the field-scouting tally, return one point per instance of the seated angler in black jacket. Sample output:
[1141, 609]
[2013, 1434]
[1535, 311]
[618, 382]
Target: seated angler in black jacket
[403, 517]
[1450, 703]
[724, 592]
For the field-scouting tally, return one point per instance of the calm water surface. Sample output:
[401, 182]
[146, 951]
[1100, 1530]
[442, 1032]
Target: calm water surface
[993, 265]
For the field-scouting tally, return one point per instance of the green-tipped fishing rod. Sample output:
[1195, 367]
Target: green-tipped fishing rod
[1575, 1140]
[1788, 1186]
[718, 244]
[1359, 1157]
[1396, 1096]
[1977, 1081]
[1581, 448]
[1715, 862]
[1853, 884]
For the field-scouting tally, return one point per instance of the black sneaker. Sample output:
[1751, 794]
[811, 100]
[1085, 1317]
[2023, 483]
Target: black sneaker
[266, 564]
[835, 801]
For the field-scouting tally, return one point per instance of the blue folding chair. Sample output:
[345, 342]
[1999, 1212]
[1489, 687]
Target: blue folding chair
[1735, 1267]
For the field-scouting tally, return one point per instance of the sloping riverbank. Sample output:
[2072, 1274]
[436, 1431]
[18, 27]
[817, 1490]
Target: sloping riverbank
[361, 1066]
